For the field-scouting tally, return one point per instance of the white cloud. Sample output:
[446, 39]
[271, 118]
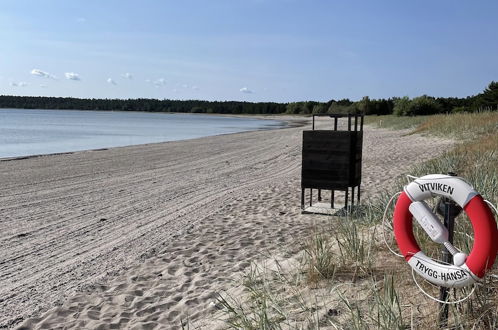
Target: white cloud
[246, 90]
[43, 86]
[40, 73]
[81, 20]
[110, 81]
[18, 84]
[185, 86]
[159, 82]
[72, 76]
[127, 75]
[195, 88]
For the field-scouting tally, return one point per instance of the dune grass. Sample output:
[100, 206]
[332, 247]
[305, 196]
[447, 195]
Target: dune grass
[347, 278]
[395, 122]
[460, 126]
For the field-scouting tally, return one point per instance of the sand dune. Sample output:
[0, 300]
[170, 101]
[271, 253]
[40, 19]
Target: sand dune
[146, 236]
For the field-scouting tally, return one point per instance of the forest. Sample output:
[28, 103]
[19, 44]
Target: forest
[487, 100]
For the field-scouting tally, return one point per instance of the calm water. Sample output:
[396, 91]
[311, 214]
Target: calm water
[35, 132]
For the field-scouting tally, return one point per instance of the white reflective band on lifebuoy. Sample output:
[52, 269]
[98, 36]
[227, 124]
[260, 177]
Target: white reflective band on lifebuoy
[443, 185]
[443, 275]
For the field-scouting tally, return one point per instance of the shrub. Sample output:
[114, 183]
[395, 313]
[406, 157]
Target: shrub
[423, 105]
[336, 107]
[401, 106]
[460, 110]
[319, 108]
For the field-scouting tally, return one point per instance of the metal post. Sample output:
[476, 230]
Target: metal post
[449, 222]
[346, 199]
[311, 196]
[313, 125]
[352, 198]
[302, 198]
[319, 195]
[335, 123]
[450, 210]
[332, 192]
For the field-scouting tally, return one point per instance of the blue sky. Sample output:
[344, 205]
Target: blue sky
[252, 50]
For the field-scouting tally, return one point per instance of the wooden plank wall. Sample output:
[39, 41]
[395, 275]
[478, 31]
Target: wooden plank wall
[331, 159]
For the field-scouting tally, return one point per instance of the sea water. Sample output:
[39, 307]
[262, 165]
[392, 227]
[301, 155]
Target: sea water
[35, 132]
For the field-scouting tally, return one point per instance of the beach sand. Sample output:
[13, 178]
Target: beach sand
[148, 236]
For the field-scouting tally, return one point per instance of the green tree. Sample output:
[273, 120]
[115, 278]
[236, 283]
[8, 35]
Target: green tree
[401, 106]
[364, 106]
[489, 97]
[319, 108]
[293, 108]
[423, 105]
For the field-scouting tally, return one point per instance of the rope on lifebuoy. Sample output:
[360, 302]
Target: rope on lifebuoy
[384, 225]
[466, 269]
[439, 300]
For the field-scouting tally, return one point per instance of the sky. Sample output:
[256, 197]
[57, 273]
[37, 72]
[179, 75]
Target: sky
[247, 50]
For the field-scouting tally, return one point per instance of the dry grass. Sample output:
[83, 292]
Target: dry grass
[462, 126]
[394, 122]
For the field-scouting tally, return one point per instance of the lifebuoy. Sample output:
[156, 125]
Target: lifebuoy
[482, 256]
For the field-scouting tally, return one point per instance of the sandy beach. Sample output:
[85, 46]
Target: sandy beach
[146, 236]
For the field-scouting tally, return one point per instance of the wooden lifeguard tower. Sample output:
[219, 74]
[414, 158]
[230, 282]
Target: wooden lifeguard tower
[331, 160]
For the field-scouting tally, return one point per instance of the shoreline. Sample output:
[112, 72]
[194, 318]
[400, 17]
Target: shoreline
[151, 233]
[288, 122]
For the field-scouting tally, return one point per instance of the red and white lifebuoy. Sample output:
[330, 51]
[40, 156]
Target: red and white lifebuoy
[483, 254]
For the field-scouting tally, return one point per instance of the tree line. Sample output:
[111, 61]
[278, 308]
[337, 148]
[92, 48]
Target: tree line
[151, 105]
[401, 106]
